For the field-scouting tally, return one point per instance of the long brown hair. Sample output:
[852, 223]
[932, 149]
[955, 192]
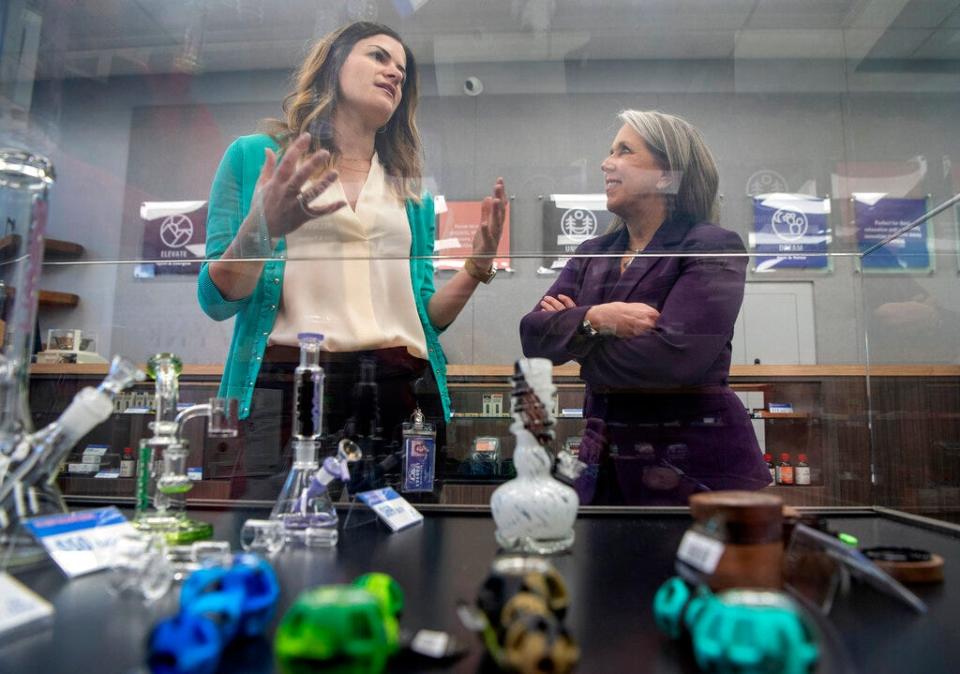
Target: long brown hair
[310, 106]
[680, 149]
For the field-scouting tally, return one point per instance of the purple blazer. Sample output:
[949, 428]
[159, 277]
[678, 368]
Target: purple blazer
[663, 395]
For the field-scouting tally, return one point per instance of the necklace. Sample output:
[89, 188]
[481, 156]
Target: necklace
[628, 258]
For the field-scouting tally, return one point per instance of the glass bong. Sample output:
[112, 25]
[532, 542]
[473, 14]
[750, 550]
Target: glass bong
[28, 488]
[304, 505]
[162, 480]
[30, 461]
[534, 511]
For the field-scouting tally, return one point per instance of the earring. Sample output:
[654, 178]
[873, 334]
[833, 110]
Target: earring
[382, 129]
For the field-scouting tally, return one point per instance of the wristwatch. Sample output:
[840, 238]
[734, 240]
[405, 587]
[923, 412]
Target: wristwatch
[587, 330]
[476, 272]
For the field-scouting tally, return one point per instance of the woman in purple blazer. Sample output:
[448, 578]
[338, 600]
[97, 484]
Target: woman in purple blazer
[648, 311]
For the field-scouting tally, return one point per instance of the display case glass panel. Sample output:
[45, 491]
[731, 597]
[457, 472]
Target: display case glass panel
[829, 123]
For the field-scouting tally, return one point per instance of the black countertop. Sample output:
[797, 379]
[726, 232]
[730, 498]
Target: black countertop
[617, 563]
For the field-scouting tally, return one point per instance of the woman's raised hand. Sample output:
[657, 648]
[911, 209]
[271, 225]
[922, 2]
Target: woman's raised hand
[280, 187]
[493, 211]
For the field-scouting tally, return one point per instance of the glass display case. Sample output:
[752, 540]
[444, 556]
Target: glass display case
[828, 135]
[731, 226]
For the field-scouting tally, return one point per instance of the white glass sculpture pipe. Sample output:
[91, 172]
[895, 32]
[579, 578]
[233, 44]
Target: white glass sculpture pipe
[534, 512]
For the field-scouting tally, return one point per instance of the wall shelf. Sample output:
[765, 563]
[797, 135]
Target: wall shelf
[54, 249]
[50, 298]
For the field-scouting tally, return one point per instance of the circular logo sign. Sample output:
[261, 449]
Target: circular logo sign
[766, 181]
[789, 225]
[176, 231]
[579, 224]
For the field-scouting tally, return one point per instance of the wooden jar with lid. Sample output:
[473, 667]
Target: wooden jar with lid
[753, 525]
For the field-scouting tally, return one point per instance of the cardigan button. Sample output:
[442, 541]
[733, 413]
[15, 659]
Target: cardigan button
[276, 279]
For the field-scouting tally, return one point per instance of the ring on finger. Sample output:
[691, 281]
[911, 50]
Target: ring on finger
[303, 205]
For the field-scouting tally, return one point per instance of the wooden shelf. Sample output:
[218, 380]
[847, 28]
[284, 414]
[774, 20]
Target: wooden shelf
[55, 298]
[53, 249]
[50, 298]
[746, 371]
[572, 371]
[775, 415]
[9, 245]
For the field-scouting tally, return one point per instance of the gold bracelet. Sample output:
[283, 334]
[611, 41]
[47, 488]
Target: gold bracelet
[484, 276]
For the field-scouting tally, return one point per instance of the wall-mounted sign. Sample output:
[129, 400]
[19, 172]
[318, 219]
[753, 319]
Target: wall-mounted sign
[174, 236]
[877, 217]
[790, 231]
[765, 181]
[568, 221]
[457, 224]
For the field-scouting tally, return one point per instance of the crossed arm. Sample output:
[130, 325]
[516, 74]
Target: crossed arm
[673, 347]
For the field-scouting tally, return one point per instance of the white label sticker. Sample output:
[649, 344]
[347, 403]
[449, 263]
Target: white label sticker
[80, 542]
[430, 643]
[20, 606]
[392, 508]
[701, 552]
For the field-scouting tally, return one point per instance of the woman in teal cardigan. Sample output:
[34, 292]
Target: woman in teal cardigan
[321, 226]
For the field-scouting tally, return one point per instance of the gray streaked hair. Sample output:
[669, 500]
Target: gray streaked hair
[680, 149]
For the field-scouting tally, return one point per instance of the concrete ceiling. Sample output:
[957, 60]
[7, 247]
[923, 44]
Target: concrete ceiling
[101, 38]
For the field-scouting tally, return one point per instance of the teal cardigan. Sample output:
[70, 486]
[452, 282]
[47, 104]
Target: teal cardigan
[230, 198]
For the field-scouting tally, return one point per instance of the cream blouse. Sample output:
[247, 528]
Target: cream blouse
[340, 285]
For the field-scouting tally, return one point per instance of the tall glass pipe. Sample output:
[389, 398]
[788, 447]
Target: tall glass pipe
[162, 483]
[38, 456]
[304, 503]
[25, 181]
[308, 389]
[28, 487]
[364, 424]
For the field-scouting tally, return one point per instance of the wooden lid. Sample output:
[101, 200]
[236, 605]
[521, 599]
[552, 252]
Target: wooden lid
[736, 505]
[749, 517]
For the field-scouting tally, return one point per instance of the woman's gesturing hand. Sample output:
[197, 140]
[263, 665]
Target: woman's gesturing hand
[493, 211]
[284, 202]
[623, 319]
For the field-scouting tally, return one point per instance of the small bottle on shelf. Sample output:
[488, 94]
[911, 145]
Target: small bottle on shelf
[128, 465]
[802, 472]
[785, 470]
[768, 458]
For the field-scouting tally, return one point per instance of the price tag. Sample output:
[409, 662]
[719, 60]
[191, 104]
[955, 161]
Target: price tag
[431, 643]
[701, 552]
[80, 542]
[19, 606]
[392, 508]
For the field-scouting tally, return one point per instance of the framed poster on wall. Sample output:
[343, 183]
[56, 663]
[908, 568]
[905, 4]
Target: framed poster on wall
[457, 223]
[568, 221]
[174, 237]
[790, 231]
[876, 217]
